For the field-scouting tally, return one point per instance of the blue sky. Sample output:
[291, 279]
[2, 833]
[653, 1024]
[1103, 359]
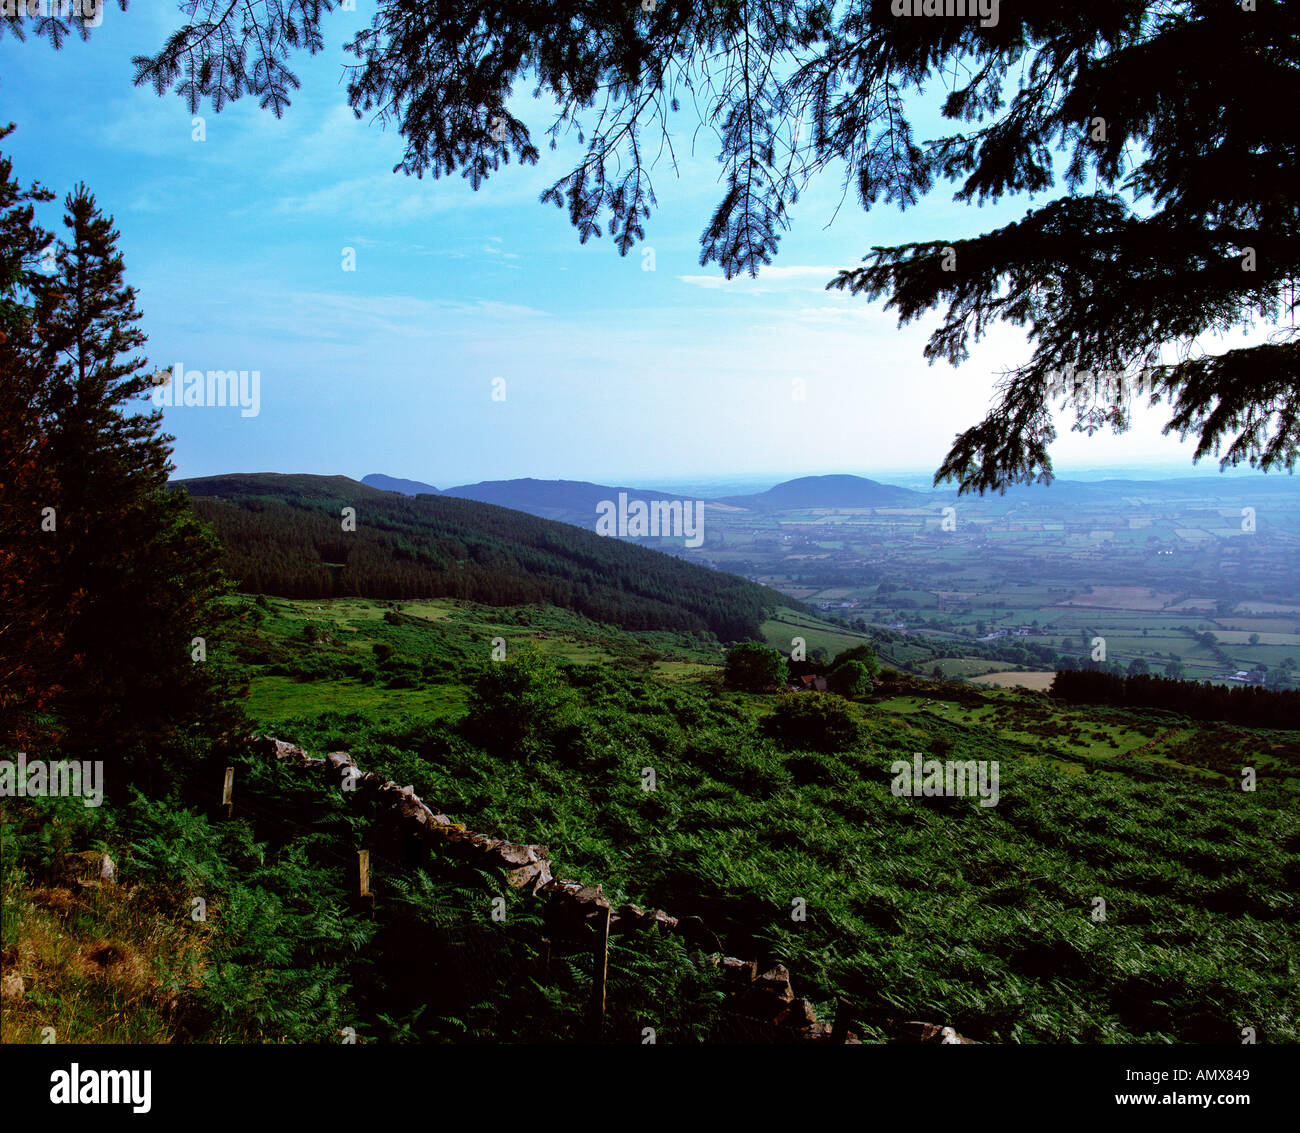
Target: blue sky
[612, 373]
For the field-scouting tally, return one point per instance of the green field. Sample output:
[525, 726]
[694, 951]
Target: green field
[916, 908]
[339, 669]
[1093, 802]
[785, 625]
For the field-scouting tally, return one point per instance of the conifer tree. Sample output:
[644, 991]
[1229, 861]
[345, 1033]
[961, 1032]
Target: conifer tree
[126, 556]
[31, 620]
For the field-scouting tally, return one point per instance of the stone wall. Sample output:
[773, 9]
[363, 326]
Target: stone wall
[766, 997]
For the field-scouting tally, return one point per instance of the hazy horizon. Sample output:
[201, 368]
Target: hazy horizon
[716, 486]
[380, 311]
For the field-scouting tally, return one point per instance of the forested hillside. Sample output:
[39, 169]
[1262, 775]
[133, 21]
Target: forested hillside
[1248, 705]
[284, 535]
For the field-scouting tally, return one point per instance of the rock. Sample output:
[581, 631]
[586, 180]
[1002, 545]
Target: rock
[696, 935]
[536, 873]
[916, 1032]
[11, 986]
[89, 868]
[516, 853]
[736, 973]
[776, 981]
[932, 1033]
[631, 917]
[799, 1014]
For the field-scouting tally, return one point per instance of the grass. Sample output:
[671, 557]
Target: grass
[98, 962]
[922, 908]
[738, 828]
[780, 629]
[1037, 681]
[274, 699]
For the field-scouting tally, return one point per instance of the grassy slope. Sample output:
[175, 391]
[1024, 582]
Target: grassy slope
[432, 647]
[982, 917]
[939, 908]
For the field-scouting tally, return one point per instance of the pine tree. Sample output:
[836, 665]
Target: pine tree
[127, 554]
[31, 619]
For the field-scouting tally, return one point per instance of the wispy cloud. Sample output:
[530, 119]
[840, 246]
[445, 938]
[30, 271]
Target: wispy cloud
[771, 280]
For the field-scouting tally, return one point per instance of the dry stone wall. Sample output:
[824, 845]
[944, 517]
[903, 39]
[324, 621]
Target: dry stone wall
[571, 906]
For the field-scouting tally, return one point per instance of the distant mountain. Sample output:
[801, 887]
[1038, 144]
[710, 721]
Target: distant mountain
[576, 501]
[830, 491]
[1205, 488]
[285, 535]
[397, 484]
[570, 501]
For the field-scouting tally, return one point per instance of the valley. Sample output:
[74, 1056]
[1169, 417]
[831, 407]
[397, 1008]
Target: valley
[544, 685]
[1124, 572]
[598, 526]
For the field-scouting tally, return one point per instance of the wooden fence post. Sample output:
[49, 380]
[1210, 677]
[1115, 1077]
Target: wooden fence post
[840, 1028]
[601, 970]
[365, 898]
[228, 792]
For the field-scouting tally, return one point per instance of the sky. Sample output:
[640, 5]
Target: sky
[602, 370]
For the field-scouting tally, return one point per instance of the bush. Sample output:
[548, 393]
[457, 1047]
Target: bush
[521, 707]
[851, 679]
[815, 721]
[863, 655]
[754, 667]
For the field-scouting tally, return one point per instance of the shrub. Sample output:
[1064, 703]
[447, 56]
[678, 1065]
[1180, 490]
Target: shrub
[815, 721]
[521, 707]
[754, 667]
[864, 655]
[850, 679]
